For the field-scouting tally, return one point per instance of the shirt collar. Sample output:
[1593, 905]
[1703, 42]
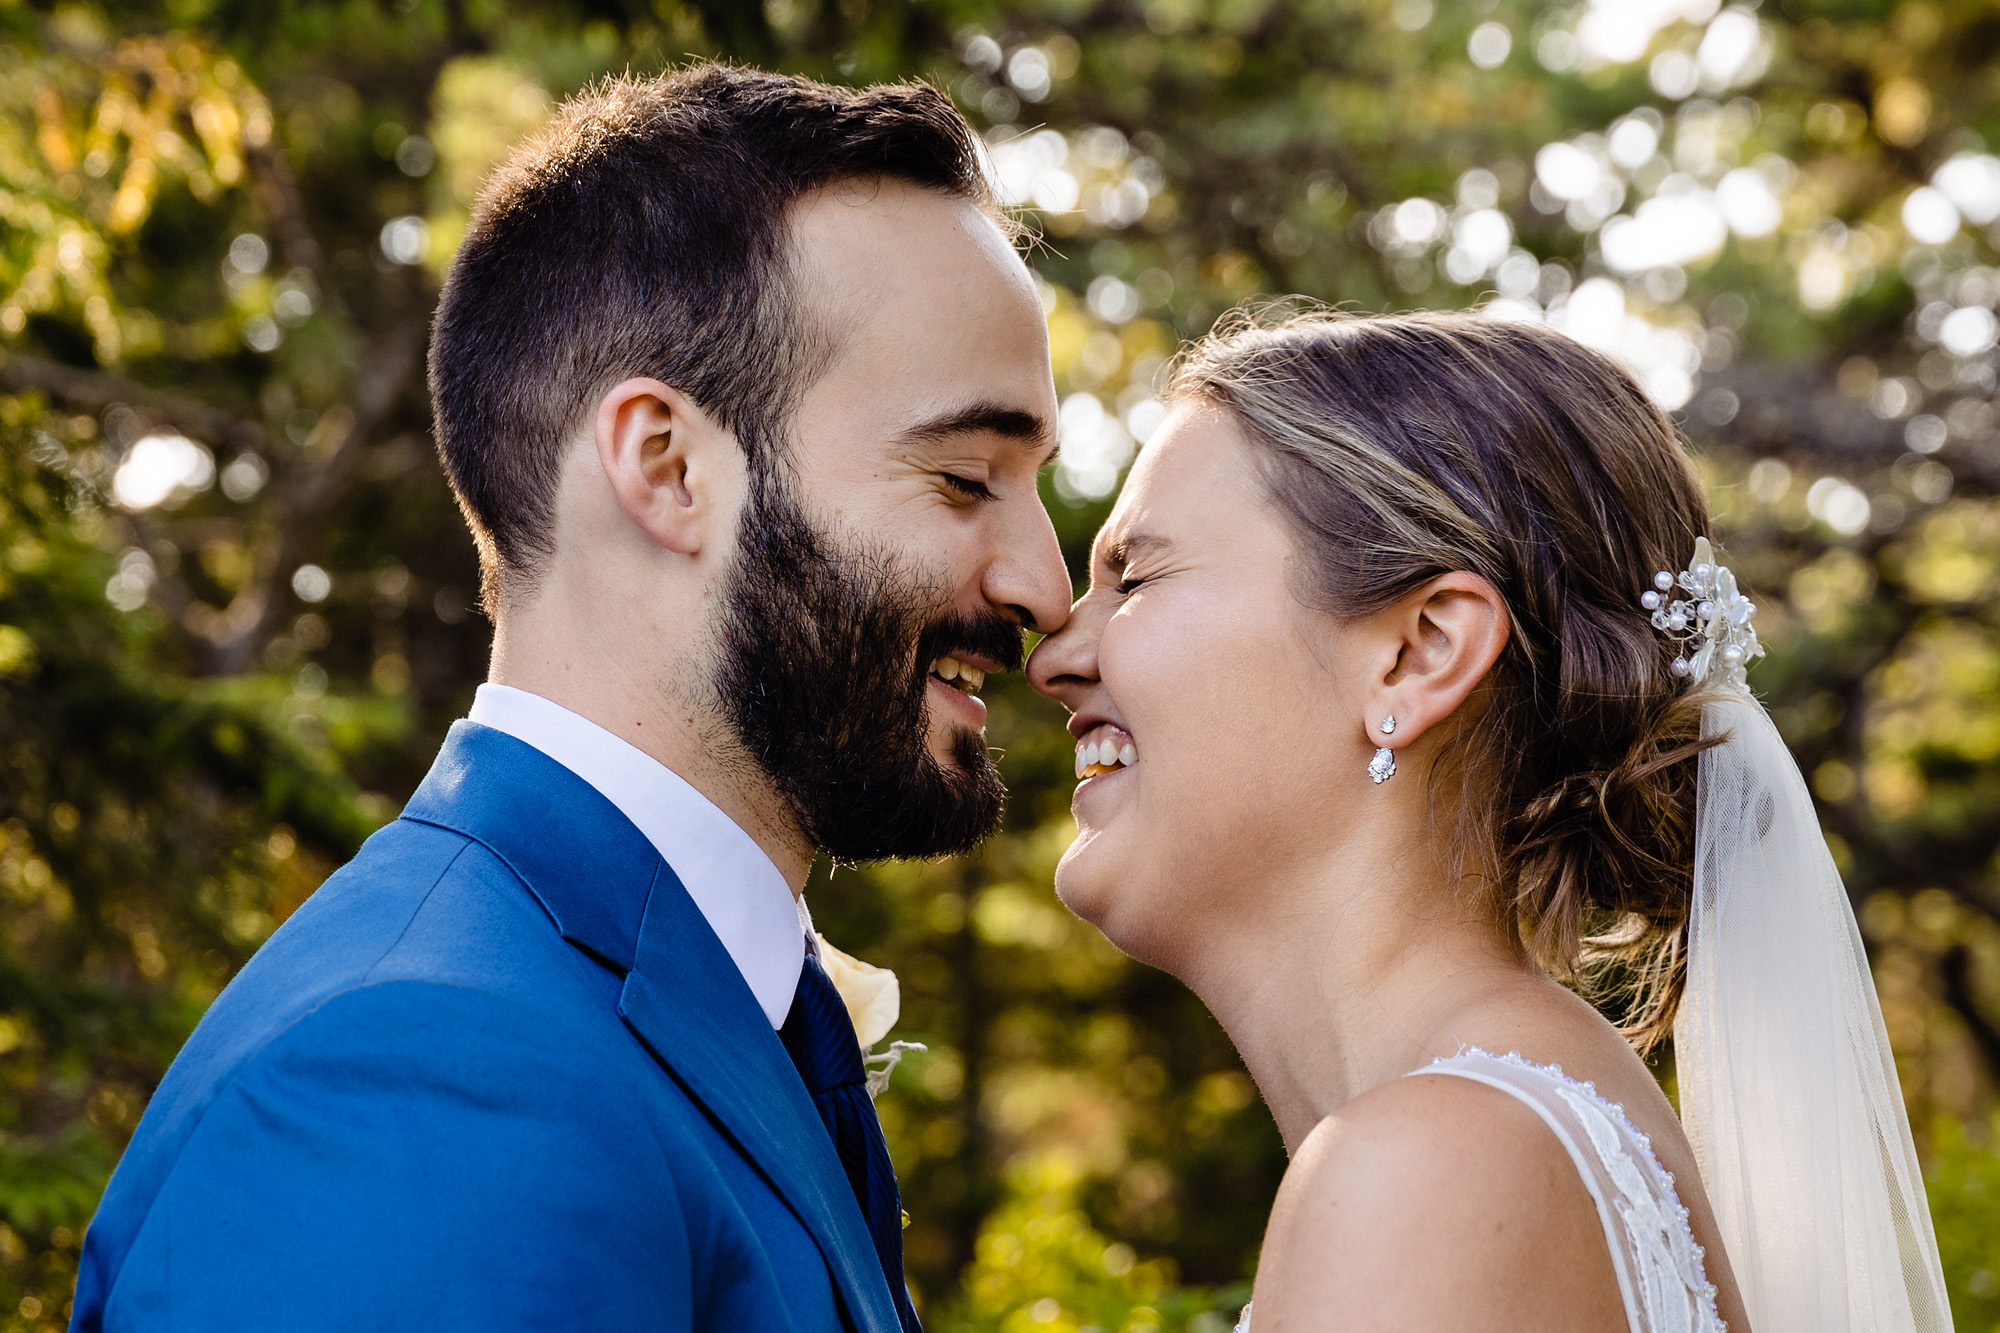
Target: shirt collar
[737, 888]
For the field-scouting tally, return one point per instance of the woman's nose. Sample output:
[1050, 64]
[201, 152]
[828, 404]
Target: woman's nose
[1065, 662]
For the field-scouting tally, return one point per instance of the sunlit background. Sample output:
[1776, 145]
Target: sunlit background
[236, 602]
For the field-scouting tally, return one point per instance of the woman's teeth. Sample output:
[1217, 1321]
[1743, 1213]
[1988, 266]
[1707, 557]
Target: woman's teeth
[961, 675]
[1105, 752]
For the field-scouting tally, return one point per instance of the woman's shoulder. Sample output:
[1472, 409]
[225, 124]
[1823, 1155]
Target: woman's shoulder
[1441, 1142]
[1434, 1201]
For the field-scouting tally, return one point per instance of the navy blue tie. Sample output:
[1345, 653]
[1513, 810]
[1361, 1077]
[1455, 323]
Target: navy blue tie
[821, 1039]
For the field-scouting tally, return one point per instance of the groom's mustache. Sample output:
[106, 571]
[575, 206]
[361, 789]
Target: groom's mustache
[986, 637]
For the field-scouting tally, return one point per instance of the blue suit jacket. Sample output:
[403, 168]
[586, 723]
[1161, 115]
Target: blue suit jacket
[496, 1074]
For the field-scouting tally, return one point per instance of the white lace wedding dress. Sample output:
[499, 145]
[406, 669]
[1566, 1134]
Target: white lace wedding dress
[1654, 1253]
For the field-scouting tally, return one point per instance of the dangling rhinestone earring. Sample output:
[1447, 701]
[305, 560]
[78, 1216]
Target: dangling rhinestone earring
[1383, 766]
[1389, 725]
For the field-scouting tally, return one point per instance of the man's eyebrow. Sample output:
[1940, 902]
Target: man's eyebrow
[989, 418]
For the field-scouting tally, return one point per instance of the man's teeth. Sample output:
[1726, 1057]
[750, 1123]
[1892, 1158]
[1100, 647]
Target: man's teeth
[965, 675]
[1107, 755]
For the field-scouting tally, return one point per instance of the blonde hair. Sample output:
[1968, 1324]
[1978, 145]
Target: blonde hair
[1400, 448]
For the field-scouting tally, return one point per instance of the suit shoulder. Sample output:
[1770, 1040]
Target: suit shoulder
[407, 1153]
[404, 1077]
[410, 883]
[334, 995]
[433, 1029]
[403, 851]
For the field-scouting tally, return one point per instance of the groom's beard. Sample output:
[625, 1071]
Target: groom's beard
[823, 659]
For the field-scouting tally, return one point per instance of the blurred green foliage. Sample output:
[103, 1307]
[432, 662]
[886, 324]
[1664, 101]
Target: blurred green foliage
[1964, 1184]
[1040, 1264]
[235, 598]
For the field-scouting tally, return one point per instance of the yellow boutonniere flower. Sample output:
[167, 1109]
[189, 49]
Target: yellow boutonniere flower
[871, 994]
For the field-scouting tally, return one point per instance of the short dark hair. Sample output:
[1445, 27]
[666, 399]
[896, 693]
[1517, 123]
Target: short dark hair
[643, 232]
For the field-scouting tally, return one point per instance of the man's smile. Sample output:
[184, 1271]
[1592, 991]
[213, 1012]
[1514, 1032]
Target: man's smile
[960, 675]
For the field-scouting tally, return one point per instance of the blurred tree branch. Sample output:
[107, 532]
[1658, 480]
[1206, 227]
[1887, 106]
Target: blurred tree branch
[80, 390]
[295, 526]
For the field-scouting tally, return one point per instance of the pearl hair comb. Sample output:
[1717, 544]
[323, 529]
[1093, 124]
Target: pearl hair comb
[1711, 625]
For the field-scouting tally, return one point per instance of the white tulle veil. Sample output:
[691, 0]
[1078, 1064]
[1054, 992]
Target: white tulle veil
[1788, 1090]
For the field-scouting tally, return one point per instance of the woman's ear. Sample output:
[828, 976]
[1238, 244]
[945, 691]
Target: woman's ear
[667, 463]
[1451, 631]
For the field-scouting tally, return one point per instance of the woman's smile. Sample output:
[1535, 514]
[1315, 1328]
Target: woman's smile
[1104, 749]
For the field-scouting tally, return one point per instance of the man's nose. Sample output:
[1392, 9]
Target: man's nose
[1027, 578]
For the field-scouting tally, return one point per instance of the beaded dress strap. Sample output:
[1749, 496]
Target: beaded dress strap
[1660, 1268]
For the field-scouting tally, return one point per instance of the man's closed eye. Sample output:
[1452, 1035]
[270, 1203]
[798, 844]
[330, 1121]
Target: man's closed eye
[967, 486]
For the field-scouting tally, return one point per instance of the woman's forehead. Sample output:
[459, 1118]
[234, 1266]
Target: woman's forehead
[1194, 478]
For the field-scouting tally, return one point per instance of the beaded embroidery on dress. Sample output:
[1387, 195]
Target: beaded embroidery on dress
[1659, 1265]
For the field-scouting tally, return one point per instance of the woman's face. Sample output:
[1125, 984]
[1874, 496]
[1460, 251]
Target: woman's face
[1217, 745]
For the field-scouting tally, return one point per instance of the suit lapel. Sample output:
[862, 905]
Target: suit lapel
[686, 1001]
[609, 893]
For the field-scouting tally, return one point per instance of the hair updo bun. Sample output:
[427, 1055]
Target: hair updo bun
[1401, 448]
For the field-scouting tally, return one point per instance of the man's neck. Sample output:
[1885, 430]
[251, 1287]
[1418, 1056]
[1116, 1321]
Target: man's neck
[677, 732]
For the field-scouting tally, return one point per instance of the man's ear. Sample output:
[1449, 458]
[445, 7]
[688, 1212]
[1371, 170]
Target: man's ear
[671, 468]
[1447, 636]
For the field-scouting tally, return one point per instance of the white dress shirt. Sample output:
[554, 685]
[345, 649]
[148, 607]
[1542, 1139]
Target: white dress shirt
[739, 890]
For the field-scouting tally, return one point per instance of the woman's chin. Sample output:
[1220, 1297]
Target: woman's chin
[1084, 878]
[1099, 886]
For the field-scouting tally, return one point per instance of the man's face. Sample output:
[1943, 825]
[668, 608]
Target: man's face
[899, 548]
